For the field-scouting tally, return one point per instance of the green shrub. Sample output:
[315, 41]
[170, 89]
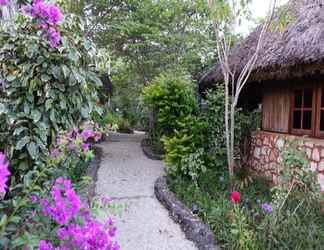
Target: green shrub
[214, 115]
[44, 90]
[193, 164]
[183, 143]
[170, 98]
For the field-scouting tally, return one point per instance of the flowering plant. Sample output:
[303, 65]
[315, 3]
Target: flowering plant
[47, 16]
[75, 226]
[72, 150]
[235, 197]
[49, 90]
[4, 173]
[3, 2]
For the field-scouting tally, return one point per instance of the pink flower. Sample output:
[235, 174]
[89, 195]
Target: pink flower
[45, 245]
[98, 136]
[54, 37]
[55, 153]
[54, 13]
[4, 173]
[85, 147]
[4, 2]
[235, 197]
[87, 133]
[77, 228]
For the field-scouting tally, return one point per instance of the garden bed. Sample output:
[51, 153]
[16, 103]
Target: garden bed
[148, 150]
[192, 226]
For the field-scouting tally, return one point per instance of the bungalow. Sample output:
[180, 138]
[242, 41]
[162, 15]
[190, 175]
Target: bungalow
[288, 82]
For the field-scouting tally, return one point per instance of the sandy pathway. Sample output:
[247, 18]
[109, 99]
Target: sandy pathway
[128, 177]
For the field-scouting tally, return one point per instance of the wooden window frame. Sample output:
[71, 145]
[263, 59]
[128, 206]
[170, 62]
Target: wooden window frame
[316, 111]
[318, 132]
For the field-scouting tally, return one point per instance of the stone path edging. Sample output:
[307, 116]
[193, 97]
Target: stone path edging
[92, 171]
[194, 229]
[147, 150]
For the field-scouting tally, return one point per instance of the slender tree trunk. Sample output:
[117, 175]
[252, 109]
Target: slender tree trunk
[227, 130]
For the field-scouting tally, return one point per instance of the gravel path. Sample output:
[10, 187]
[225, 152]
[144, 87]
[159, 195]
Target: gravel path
[128, 177]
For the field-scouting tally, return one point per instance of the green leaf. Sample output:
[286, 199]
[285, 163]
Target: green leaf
[3, 220]
[22, 142]
[85, 112]
[26, 108]
[19, 130]
[63, 104]
[48, 104]
[52, 116]
[2, 108]
[87, 44]
[11, 78]
[36, 115]
[66, 71]
[45, 78]
[33, 150]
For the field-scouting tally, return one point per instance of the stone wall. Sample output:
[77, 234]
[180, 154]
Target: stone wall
[265, 157]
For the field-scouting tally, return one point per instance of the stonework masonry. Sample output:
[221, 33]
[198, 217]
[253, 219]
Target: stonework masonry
[265, 154]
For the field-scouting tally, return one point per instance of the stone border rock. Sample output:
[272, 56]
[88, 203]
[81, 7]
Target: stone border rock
[92, 171]
[194, 229]
[147, 150]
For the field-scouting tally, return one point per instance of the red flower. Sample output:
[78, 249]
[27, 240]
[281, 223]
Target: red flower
[235, 197]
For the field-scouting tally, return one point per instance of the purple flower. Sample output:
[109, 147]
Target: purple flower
[87, 133]
[55, 153]
[45, 245]
[97, 136]
[39, 9]
[54, 13]
[72, 147]
[267, 208]
[47, 16]
[4, 2]
[77, 227]
[34, 198]
[85, 147]
[106, 200]
[54, 37]
[4, 173]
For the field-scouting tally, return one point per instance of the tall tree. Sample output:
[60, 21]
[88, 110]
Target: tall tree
[147, 37]
[227, 16]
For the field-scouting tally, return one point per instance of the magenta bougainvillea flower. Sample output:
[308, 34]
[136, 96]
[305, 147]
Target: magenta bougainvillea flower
[85, 147]
[45, 245]
[48, 16]
[87, 133]
[4, 2]
[4, 172]
[235, 197]
[54, 37]
[66, 203]
[46, 12]
[77, 229]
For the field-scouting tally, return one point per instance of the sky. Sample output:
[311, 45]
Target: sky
[259, 9]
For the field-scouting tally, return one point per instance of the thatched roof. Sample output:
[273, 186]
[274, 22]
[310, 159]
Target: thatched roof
[294, 52]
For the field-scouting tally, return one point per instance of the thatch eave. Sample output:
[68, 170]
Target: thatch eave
[296, 52]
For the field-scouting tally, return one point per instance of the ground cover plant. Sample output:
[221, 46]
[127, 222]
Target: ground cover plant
[256, 216]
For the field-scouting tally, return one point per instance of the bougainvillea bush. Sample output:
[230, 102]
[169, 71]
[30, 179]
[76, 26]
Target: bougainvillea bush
[47, 92]
[46, 82]
[57, 219]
